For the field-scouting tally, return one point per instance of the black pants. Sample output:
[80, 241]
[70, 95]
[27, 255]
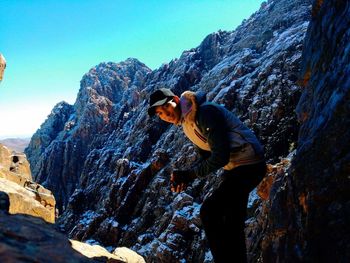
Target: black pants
[224, 212]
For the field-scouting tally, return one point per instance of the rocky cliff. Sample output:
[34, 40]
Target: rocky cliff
[108, 163]
[60, 147]
[306, 214]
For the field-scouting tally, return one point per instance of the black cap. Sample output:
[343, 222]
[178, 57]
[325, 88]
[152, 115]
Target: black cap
[158, 98]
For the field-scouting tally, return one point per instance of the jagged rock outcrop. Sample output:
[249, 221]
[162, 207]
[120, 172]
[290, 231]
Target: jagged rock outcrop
[58, 150]
[116, 161]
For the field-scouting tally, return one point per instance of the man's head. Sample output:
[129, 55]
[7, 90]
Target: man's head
[165, 104]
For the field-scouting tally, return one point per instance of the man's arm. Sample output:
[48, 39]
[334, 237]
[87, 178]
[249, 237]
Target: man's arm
[212, 122]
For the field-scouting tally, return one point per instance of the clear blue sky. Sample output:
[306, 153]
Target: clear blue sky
[49, 45]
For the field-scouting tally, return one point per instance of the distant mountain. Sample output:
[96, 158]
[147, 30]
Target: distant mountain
[16, 144]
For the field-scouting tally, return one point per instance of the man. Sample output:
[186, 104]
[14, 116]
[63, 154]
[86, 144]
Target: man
[224, 142]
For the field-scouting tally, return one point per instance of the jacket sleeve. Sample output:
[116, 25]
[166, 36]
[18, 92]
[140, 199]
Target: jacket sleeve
[212, 123]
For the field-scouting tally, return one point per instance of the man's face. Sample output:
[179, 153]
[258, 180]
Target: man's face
[169, 112]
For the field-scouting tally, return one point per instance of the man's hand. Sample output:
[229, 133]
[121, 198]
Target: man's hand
[180, 179]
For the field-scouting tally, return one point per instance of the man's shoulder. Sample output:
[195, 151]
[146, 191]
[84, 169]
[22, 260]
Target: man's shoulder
[209, 107]
[209, 112]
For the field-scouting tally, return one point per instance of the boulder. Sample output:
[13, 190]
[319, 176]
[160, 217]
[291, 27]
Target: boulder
[14, 166]
[25, 196]
[27, 201]
[28, 239]
[120, 255]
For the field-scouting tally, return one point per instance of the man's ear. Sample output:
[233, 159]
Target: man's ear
[176, 99]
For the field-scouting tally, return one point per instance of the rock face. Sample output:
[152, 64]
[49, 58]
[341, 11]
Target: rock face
[58, 150]
[306, 216]
[322, 166]
[109, 164]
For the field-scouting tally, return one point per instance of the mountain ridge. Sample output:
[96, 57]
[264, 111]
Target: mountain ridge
[15, 143]
[109, 164]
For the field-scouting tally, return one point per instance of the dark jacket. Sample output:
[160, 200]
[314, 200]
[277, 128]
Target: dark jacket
[219, 134]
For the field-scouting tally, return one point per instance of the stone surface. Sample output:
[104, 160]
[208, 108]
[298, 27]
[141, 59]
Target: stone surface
[128, 256]
[119, 255]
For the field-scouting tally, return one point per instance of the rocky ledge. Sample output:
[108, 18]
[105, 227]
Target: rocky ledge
[30, 239]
